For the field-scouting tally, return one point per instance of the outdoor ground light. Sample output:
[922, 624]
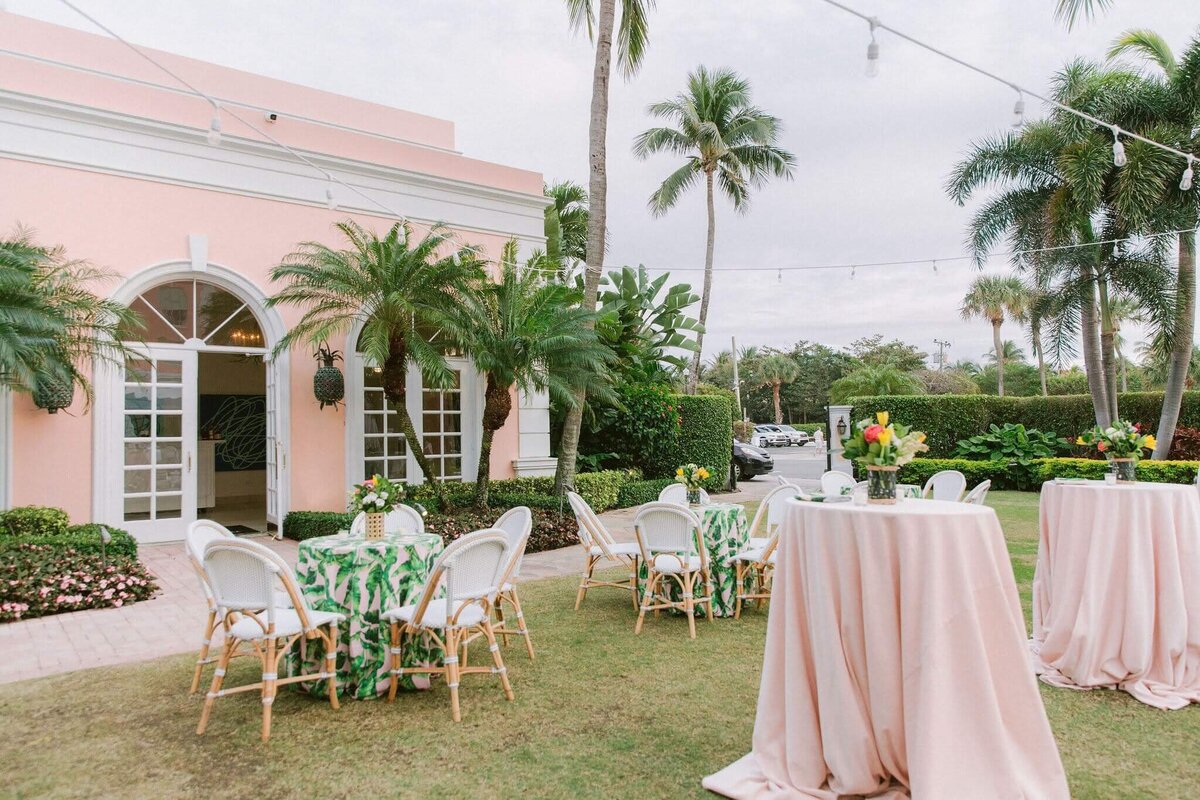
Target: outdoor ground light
[105, 538]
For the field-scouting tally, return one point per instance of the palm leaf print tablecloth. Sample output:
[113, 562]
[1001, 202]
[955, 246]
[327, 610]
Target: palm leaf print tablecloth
[726, 532]
[362, 578]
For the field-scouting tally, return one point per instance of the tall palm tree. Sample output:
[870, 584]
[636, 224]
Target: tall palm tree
[399, 290]
[568, 217]
[527, 331]
[632, 39]
[774, 371]
[1012, 354]
[1070, 11]
[52, 324]
[1167, 109]
[1033, 311]
[995, 298]
[725, 140]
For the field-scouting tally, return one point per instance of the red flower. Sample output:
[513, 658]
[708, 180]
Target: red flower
[1101, 446]
[871, 434]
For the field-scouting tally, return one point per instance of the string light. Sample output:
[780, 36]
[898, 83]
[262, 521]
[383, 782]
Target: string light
[853, 272]
[1119, 159]
[1185, 183]
[873, 51]
[1019, 110]
[330, 201]
[935, 272]
[214, 128]
[780, 276]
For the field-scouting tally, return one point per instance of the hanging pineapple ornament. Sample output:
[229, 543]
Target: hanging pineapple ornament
[53, 392]
[328, 384]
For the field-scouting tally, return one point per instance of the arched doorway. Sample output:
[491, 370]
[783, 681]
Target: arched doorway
[191, 425]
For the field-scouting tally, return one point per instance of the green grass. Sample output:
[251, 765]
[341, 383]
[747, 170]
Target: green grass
[600, 713]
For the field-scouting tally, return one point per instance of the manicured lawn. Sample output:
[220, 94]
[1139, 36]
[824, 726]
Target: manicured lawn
[600, 713]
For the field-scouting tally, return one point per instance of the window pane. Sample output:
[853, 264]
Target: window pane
[397, 469]
[452, 423]
[452, 444]
[373, 447]
[241, 331]
[168, 452]
[137, 480]
[137, 453]
[373, 400]
[169, 425]
[452, 401]
[431, 423]
[393, 424]
[153, 328]
[137, 370]
[433, 445]
[167, 480]
[137, 397]
[395, 446]
[452, 468]
[137, 508]
[174, 302]
[372, 377]
[431, 401]
[170, 372]
[372, 468]
[170, 398]
[216, 305]
[137, 426]
[173, 512]
[372, 423]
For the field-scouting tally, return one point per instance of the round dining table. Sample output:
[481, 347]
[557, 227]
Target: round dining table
[1116, 592]
[895, 663]
[361, 578]
[725, 532]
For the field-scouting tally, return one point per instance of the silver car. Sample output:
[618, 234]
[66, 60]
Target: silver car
[771, 436]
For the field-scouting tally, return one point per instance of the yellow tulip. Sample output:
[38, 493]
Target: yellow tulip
[679, 471]
[1151, 442]
[1080, 441]
[883, 418]
[703, 473]
[921, 438]
[885, 437]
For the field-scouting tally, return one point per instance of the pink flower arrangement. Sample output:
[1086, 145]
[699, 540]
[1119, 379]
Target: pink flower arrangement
[37, 580]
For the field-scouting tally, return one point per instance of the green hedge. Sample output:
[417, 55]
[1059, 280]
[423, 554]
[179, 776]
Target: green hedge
[636, 493]
[706, 434]
[811, 427]
[947, 418]
[919, 470]
[81, 538]
[34, 521]
[599, 489]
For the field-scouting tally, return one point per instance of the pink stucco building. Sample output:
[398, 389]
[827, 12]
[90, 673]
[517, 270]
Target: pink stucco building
[104, 154]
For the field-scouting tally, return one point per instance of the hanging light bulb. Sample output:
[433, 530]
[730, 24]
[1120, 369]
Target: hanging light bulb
[780, 275]
[1019, 110]
[330, 201]
[873, 52]
[1185, 183]
[853, 272]
[214, 128]
[1119, 159]
[935, 272]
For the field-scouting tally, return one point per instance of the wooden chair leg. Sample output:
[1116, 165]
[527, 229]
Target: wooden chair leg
[516, 601]
[739, 591]
[218, 679]
[209, 626]
[708, 589]
[647, 599]
[452, 674]
[583, 584]
[395, 651]
[501, 670]
[689, 602]
[500, 617]
[331, 644]
[268, 687]
[634, 583]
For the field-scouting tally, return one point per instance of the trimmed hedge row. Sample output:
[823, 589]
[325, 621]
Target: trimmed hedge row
[947, 418]
[83, 539]
[706, 434]
[811, 427]
[636, 493]
[1002, 476]
[599, 489]
[34, 521]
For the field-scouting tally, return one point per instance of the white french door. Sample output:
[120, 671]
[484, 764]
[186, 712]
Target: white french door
[276, 456]
[157, 458]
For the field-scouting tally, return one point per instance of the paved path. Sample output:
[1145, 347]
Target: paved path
[172, 621]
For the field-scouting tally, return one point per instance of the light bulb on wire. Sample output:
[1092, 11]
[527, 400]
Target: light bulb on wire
[330, 200]
[1119, 159]
[853, 272]
[873, 52]
[1019, 111]
[214, 128]
[935, 272]
[1185, 183]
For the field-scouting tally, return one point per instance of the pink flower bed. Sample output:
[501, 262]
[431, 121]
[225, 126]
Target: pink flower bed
[37, 580]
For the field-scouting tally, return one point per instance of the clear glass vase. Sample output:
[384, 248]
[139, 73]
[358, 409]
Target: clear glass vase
[693, 497]
[1126, 469]
[881, 484]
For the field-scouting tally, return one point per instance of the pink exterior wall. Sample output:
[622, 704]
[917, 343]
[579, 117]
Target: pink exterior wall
[128, 224]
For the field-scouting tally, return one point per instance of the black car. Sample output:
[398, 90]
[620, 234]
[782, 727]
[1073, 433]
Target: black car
[751, 461]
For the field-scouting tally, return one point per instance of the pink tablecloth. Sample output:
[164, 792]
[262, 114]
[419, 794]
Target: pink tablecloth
[896, 662]
[1116, 596]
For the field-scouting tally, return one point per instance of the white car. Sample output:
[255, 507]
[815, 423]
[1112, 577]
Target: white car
[770, 436]
[798, 438]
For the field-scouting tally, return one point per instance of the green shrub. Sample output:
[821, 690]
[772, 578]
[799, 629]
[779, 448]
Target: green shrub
[948, 418]
[920, 470]
[643, 430]
[301, 525]
[39, 579]
[811, 428]
[1003, 476]
[1149, 471]
[82, 538]
[1015, 446]
[706, 435]
[636, 493]
[599, 489]
[34, 521]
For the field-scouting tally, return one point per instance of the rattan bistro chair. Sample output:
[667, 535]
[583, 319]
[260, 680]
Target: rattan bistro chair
[517, 523]
[977, 495]
[770, 514]
[949, 484]
[401, 519]
[669, 538]
[677, 493]
[599, 545]
[473, 568]
[244, 576]
[756, 566]
[199, 534]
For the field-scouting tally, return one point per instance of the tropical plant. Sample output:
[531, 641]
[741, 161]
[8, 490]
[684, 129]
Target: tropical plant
[1070, 11]
[946, 381]
[1011, 352]
[645, 323]
[872, 381]
[400, 290]
[566, 226]
[632, 38]
[995, 298]
[1033, 311]
[727, 142]
[1165, 107]
[774, 371]
[1014, 446]
[873, 350]
[526, 331]
[52, 325]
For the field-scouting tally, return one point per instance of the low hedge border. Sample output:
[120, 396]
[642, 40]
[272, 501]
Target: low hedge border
[1002, 476]
[599, 489]
[84, 539]
[636, 493]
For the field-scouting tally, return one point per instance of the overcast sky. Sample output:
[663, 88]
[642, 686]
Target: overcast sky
[872, 154]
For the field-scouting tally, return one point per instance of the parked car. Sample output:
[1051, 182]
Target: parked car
[751, 460]
[798, 438]
[770, 436]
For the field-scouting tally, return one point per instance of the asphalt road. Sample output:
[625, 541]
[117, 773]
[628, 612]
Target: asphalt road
[795, 463]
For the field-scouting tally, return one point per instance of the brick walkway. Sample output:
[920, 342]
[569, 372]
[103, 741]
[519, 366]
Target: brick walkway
[172, 620]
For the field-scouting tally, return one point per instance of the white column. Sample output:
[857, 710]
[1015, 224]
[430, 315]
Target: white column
[838, 462]
[533, 424]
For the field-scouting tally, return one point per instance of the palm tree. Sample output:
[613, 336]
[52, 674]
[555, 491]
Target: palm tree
[52, 325]
[632, 39]
[1011, 354]
[1167, 109]
[726, 141]
[774, 371]
[994, 298]
[1070, 11]
[1034, 310]
[645, 323]
[567, 220]
[401, 293]
[525, 331]
[872, 380]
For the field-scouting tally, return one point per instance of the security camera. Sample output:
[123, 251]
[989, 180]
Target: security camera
[272, 117]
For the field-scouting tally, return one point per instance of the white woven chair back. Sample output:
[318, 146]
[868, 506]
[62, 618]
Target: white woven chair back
[517, 524]
[244, 575]
[474, 565]
[401, 519]
[833, 482]
[592, 532]
[949, 484]
[977, 495]
[677, 493]
[782, 481]
[199, 534]
[770, 510]
[667, 528]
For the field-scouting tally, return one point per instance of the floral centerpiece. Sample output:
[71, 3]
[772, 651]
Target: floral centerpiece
[692, 476]
[1122, 444]
[883, 447]
[375, 497]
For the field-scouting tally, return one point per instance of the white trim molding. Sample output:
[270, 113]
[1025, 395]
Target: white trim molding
[533, 426]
